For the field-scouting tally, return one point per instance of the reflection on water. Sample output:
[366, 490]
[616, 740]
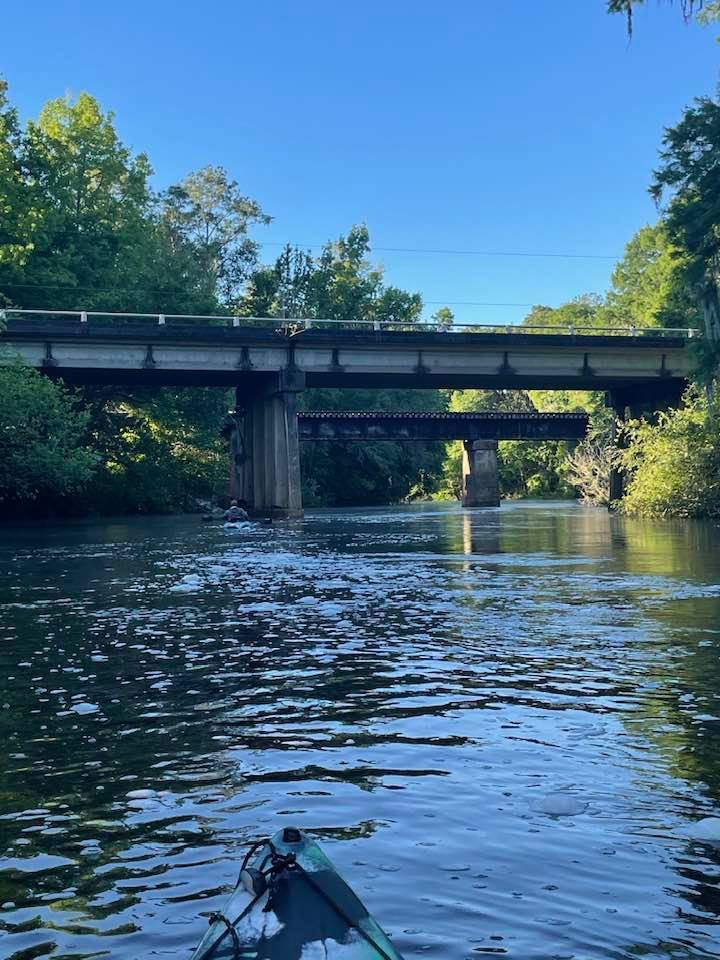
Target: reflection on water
[501, 724]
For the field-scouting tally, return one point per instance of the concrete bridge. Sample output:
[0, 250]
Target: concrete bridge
[270, 361]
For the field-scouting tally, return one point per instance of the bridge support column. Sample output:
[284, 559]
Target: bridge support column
[265, 449]
[480, 474]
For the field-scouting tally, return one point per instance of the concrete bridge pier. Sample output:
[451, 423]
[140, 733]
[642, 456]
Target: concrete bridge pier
[480, 474]
[265, 447]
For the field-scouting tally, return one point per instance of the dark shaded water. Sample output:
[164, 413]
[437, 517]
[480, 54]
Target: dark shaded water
[502, 725]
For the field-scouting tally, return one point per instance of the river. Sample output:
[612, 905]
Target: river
[502, 725]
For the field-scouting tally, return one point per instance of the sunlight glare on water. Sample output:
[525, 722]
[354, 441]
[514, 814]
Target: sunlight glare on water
[502, 725]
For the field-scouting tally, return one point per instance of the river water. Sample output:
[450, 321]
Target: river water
[502, 725]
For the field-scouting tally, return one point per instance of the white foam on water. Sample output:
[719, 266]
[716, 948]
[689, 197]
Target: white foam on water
[84, 708]
[561, 805]
[706, 830]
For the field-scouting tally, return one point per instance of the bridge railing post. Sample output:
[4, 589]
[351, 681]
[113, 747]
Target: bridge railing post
[161, 319]
[83, 316]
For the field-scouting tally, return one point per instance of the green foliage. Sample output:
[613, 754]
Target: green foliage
[340, 474]
[528, 468]
[339, 284]
[708, 11]
[43, 443]
[525, 467]
[674, 465]
[650, 284]
[208, 215]
[689, 174]
[159, 450]
[580, 314]
[90, 201]
[443, 318]
[16, 216]
[649, 288]
[81, 229]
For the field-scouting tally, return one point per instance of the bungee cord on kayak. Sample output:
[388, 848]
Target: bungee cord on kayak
[270, 875]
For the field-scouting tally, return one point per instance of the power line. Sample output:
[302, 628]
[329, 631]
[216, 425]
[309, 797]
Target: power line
[474, 303]
[454, 252]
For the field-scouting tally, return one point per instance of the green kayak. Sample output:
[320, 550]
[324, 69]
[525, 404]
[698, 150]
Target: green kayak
[291, 904]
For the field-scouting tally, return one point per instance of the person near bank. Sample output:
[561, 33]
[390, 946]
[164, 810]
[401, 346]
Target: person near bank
[235, 513]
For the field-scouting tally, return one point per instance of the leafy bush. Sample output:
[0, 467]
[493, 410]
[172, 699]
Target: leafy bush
[674, 465]
[43, 451]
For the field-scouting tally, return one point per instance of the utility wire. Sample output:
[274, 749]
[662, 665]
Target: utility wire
[452, 252]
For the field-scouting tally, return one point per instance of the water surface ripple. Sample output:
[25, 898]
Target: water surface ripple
[503, 726]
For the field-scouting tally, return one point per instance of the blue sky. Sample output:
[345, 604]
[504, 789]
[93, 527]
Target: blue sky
[526, 127]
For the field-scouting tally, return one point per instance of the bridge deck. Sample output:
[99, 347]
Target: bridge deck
[203, 354]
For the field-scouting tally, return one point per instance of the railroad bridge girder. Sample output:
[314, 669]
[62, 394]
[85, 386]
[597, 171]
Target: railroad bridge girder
[265, 458]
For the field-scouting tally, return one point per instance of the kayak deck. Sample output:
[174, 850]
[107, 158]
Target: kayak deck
[308, 911]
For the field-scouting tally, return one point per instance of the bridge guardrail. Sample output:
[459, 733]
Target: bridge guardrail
[296, 325]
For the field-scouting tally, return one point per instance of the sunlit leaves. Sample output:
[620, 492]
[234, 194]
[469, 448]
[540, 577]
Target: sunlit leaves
[43, 442]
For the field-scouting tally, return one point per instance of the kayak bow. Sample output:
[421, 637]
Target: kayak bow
[291, 904]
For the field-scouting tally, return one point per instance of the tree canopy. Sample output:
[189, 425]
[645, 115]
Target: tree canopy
[688, 180]
[45, 450]
[339, 284]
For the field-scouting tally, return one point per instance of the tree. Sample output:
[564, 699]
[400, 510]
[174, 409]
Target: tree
[159, 450]
[339, 284]
[581, 313]
[90, 200]
[43, 444]
[650, 285]
[16, 215]
[707, 10]
[443, 318]
[689, 176]
[283, 289]
[208, 215]
[588, 469]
